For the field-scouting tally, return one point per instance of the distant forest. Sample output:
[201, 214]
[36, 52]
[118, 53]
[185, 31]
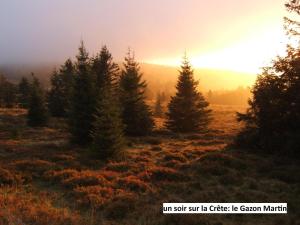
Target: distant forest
[220, 87]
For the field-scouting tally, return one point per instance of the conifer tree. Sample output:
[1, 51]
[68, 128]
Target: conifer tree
[23, 92]
[55, 96]
[158, 111]
[105, 70]
[107, 133]
[83, 100]
[7, 93]
[187, 110]
[37, 112]
[136, 114]
[61, 89]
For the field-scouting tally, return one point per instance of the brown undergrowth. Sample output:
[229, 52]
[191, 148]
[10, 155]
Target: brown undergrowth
[45, 180]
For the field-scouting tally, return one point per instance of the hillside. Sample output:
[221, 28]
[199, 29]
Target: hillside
[43, 178]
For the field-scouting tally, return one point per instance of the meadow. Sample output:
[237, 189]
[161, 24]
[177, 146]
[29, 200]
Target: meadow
[46, 180]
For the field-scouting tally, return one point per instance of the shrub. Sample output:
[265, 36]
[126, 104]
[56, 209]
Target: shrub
[95, 196]
[159, 173]
[118, 166]
[7, 178]
[133, 183]
[120, 206]
[20, 208]
[34, 167]
[85, 178]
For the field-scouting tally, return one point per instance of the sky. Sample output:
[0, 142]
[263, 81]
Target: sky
[239, 35]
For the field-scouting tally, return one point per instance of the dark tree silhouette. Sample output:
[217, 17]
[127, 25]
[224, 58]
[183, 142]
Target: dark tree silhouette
[273, 117]
[83, 100]
[158, 110]
[61, 90]
[136, 114]
[8, 93]
[272, 121]
[105, 70]
[23, 92]
[107, 133]
[37, 112]
[187, 110]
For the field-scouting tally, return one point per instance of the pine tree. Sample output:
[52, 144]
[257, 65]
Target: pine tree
[136, 114]
[23, 92]
[56, 96]
[187, 110]
[37, 111]
[107, 133]
[105, 70]
[83, 100]
[7, 93]
[67, 72]
[158, 111]
[61, 90]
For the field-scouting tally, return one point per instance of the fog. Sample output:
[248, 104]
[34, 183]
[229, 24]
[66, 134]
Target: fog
[49, 31]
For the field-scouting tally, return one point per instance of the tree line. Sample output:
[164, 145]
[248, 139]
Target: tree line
[104, 103]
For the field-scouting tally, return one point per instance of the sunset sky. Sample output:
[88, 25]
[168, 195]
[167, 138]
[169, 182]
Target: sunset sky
[236, 35]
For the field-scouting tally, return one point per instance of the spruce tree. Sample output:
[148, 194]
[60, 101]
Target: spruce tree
[107, 132]
[158, 111]
[83, 100]
[37, 112]
[61, 89]
[55, 96]
[187, 110]
[23, 92]
[7, 93]
[136, 114]
[105, 70]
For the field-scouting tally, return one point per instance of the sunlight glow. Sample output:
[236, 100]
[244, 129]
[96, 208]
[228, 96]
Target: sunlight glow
[248, 55]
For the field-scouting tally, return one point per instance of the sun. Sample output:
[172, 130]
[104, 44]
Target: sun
[248, 55]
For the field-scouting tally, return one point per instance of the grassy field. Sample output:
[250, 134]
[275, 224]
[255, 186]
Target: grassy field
[45, 180]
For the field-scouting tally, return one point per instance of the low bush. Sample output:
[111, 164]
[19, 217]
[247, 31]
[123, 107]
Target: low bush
[133, 183]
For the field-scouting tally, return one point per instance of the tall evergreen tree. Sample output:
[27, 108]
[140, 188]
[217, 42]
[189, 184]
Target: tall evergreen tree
[272, 121]
[107, 133]
[37, 112]
[105, 70]
[83, 100]
[61, 89]
[56, 96]
[7, 93]
[136, 114]
[158, 111]
[23, 92]
[187, 110]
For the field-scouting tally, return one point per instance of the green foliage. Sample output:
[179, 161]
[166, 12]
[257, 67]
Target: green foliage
[61, 89]
[273, 117]
[23, 92]
[105, 70]
[107, 130]
[187, 110]
[272, 121]
[37, 112]
[136, 114]
[83, 100]
[7, 93]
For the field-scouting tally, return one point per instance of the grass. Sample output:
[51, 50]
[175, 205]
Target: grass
[45, 180]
